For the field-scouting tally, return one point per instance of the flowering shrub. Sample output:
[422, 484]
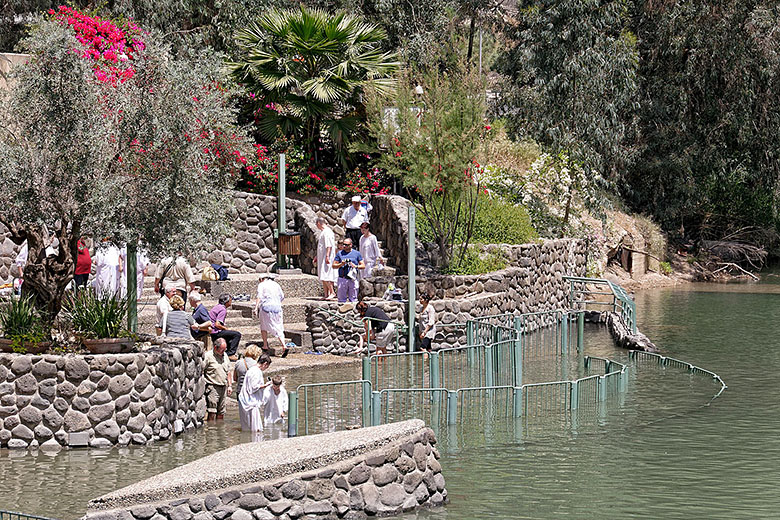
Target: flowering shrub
[262, 175]
[362, 180]
[110, 46]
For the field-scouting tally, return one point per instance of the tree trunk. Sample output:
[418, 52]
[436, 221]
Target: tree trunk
[471, 39]
[45, 277]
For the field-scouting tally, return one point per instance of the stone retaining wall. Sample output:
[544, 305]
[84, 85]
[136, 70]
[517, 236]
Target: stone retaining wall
[536, 285]
[378, 471]
[100, 400]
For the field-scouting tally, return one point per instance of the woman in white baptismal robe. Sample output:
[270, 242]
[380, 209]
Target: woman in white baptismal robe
[252, 398]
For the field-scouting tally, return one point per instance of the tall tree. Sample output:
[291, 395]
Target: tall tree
[308, 69]
[105, 133]
[431, 140]
[573, 72]
[710, 93]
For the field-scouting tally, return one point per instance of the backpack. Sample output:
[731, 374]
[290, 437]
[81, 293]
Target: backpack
[221, 270]
[209, 273]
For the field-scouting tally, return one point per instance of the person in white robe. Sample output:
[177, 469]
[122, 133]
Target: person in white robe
[142, 265]
[369, 250]
[108, 268]
[326, 252]
[276, 401]
[252, 396]
[268, 307]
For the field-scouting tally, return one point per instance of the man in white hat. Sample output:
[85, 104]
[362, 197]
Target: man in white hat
[354, 215]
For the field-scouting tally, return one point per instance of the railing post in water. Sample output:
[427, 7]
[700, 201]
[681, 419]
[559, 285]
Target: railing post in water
[376, 408]
[517, 401]
[366, 368]
[452, 407]
[580, 331]
[623, 379]
[587, 361]
[489, 365]
[470, 342]
[433, 360]
[366, 402]
[602, 389]
[574, 398]
[518, 359]
[292, 414]
[564, 332]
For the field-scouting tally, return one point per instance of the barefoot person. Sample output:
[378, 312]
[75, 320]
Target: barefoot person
[382, 330]
[268, 307]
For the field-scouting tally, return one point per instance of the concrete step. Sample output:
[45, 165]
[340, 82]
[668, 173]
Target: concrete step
[299, 334]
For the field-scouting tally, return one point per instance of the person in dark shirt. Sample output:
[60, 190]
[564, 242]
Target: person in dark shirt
[201, 316]
[379, 327]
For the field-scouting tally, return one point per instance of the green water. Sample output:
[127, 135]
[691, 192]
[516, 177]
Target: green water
[665, 451]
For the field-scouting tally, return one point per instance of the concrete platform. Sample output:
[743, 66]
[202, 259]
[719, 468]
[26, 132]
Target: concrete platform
[255, 462]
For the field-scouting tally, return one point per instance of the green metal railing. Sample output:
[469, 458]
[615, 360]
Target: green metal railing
[12, 515]
[611, 295]
[640, 355]
[486, 375]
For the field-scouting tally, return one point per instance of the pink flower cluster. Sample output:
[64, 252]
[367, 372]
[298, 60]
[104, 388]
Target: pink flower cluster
[111, 47]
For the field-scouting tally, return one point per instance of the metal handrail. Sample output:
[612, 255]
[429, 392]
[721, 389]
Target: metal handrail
[621, 303]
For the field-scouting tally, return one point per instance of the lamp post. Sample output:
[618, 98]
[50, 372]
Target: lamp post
[412, 270]
[281, 212]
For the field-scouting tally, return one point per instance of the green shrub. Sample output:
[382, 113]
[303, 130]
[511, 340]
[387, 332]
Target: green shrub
[666, 268]
[500, 222]
[474, 262]
[496, 222]
[97, 317]
[22, 323]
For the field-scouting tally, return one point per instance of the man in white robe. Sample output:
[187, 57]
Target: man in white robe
[268, 307]
[276, 402]
[108, 267]
[326, 252]
[252, 396]
[142, 265]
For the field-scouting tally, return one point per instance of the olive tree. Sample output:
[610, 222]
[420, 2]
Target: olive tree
[142, 148]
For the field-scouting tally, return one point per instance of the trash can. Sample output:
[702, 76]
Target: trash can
[290, 243]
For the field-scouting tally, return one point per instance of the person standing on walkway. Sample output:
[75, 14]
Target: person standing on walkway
[268, 307]
[326, 252]
[252, 396]
[427, 323]
[219, 382]
[176, 271]
[369, 250]
[348, 261]
[353, 216]
[217, 315]
[83, 265]
[108, 268]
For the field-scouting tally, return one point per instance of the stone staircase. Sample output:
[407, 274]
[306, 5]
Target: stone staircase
[299, 291]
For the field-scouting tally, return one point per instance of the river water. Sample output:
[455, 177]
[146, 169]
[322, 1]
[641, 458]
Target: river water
[667, 450]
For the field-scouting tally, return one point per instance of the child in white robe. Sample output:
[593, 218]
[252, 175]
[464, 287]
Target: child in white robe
[276, 401]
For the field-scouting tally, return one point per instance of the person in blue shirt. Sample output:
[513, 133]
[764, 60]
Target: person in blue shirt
[348, 261]
[201, 315]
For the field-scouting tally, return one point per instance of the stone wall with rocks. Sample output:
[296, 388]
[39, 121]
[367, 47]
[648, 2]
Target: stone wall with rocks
[378, 471]
[536, 285]
[100, 400]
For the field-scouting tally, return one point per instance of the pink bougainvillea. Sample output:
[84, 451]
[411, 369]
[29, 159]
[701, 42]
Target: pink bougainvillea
[110, 45]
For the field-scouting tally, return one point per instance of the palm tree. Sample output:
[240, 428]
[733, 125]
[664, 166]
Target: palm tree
[308, 68]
